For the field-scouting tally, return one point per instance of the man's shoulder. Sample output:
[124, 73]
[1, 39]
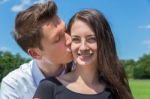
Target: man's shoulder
[18, 83]
[19, 74]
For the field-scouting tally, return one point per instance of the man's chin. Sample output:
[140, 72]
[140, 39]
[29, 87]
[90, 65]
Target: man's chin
[68, 61]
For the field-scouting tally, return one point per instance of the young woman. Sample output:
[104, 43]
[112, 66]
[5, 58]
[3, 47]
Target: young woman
[97, 73]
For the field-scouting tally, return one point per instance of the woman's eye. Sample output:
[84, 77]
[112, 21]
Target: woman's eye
[75, 40]
[91, 40]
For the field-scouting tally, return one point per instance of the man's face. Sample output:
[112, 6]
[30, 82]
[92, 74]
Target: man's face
[54, 42]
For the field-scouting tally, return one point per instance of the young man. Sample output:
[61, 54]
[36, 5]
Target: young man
[41, 34]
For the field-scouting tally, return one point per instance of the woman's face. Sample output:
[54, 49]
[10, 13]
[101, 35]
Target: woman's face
[84, 45]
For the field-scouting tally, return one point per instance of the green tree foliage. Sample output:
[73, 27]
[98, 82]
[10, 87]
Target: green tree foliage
[142, 69]
[129, 67]
[9, 62]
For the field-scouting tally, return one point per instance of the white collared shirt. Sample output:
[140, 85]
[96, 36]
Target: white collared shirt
[22, 82]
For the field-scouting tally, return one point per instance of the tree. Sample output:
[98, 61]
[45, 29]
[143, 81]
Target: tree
[129, 66]
[9, 62]
[142, 69]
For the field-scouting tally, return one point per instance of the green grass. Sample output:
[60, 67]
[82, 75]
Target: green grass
[140, 89]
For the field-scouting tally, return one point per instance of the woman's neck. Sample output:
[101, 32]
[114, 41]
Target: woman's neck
[83, 80]
[86, 74]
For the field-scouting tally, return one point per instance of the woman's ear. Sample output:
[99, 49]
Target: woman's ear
[35, 53]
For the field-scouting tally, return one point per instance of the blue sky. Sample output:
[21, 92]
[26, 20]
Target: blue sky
[129, 20]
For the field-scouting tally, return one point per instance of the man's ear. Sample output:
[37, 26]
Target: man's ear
[35, 53]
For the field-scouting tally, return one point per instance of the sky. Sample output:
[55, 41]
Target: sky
[129, 21]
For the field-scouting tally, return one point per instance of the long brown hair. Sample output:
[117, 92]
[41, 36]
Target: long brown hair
[109, 67]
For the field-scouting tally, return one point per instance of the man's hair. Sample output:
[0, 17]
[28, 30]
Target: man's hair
[28, 32]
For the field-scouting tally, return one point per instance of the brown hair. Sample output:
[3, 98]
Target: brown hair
[109, 67]
[28, 33]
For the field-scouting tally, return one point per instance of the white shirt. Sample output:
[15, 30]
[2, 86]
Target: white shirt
[22, 82]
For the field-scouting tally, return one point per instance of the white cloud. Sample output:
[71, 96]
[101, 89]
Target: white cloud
[25, 3]
[40, 1]
[21, 6]
[147, 42]
[3, 1]
[145, 26]
[4, 49]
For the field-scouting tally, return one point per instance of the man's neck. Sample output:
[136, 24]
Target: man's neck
[50, 70]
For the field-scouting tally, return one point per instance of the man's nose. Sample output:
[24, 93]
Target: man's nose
[68, 39]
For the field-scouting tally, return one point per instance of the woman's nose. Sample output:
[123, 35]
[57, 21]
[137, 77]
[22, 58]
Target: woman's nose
[83, 46]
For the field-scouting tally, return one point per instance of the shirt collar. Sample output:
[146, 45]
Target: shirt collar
[37, 74]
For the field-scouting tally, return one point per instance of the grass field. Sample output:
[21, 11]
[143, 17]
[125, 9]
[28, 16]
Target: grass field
[140, 89]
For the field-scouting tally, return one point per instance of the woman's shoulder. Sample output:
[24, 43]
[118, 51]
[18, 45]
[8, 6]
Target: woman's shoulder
[51, 81]
[47, 88]
[111, 92]
[48, 84]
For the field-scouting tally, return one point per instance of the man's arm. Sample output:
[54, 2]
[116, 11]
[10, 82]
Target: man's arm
[17, 85]
[7, 90]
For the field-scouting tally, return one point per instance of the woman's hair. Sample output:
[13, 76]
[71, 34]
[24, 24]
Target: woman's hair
[109, 67]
